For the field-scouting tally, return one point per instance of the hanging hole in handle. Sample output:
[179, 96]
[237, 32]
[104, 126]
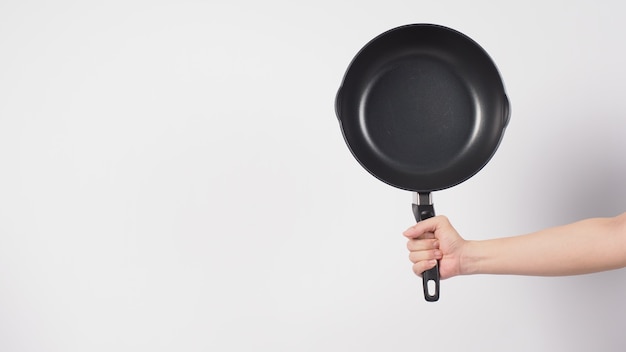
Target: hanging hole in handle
[432, 287]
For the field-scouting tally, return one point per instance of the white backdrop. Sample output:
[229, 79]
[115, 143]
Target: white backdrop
[173, 178]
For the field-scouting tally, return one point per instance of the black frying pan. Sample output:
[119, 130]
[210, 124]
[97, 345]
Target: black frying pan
[422, 107]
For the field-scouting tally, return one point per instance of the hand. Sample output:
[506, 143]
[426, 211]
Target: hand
[435, 239]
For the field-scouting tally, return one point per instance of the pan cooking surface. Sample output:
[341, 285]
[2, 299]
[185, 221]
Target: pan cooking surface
[418, 114]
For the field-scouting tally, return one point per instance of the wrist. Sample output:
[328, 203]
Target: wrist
[470, 258]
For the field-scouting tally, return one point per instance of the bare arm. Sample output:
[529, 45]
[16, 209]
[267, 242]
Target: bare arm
[587, 246]
[582, 247]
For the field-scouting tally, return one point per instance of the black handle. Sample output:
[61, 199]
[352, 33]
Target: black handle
[430, 276]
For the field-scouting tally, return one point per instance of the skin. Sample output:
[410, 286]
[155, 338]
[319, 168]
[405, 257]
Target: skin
[587, 246]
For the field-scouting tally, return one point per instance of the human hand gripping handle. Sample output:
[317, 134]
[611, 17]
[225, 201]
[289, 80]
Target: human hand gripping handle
[423, 209]
[435, 243]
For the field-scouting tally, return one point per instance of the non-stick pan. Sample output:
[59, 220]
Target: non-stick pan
[422, 107]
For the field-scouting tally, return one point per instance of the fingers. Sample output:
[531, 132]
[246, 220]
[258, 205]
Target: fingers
[428, 250]
[433, 240]
[426, 228]
[422, 244]
[420, 267]
[424, 254]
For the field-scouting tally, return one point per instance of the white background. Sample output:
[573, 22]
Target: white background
[173, 178]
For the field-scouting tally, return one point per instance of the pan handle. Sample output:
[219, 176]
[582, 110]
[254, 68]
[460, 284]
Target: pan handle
[423, 209]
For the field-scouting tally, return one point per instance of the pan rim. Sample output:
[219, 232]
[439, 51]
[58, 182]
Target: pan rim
[416, 184]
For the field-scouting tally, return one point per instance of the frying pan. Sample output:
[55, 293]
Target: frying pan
[422, 107]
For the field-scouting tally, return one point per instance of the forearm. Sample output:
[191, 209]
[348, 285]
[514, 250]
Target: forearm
[586, 246]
